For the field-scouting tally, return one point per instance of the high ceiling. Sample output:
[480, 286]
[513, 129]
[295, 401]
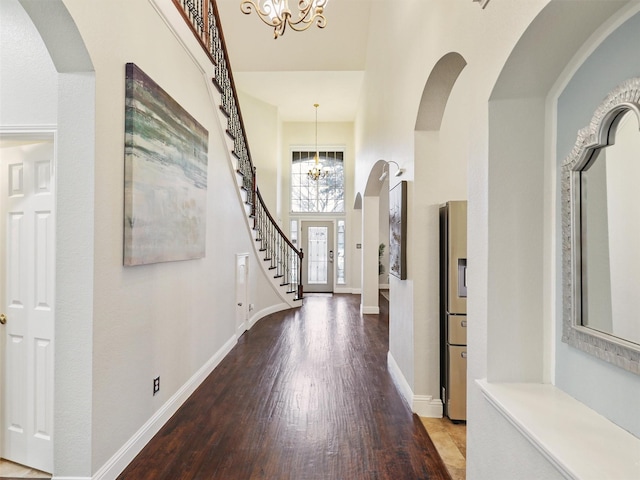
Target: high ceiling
[299, 69]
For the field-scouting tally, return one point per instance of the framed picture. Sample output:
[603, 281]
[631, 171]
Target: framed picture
[398, 230]
[165, 184]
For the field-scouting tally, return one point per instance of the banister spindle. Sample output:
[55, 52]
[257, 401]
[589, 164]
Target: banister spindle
[204, 20]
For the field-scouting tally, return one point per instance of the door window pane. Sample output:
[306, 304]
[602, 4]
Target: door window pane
[317, 251]
[340, 273]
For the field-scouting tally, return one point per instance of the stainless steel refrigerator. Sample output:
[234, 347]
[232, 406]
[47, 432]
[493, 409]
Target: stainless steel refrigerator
[453, 309]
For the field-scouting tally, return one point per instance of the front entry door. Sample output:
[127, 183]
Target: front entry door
[317, 244]
[27, 302]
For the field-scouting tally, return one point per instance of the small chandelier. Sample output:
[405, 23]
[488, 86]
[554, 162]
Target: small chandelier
[316, 173]
[276, 14]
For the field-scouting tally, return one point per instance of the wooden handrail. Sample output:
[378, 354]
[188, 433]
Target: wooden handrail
[204, 20]
[279, 230]
[285, 258]
[197, 17]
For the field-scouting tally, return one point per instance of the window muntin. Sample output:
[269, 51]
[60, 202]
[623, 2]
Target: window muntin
[323, 196]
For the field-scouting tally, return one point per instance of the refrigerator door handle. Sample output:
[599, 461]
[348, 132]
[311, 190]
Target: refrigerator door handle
[462, 277]
[463, 323]
[463, 354]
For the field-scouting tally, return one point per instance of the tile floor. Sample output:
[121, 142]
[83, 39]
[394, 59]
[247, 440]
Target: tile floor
[13, 470]
[450, 440]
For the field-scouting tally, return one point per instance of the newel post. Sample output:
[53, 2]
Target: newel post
[300, 286]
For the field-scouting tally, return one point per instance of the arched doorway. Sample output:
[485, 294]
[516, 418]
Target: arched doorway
[371, 215]
[438, 178]
[68, 111]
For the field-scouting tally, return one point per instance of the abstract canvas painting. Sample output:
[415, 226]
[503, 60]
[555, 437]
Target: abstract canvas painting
[165, 176]
[398, 230]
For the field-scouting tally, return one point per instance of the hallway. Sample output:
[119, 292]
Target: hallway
[305, 394]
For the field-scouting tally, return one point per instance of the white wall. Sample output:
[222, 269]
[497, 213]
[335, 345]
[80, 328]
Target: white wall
[515, 245]
[383, 228]
[122, 326]
[262, 123]
[30, 98]
[355, 268]
[369, 273]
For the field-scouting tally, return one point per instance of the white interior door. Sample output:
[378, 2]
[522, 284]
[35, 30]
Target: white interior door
[27, 267]
[242, 293]
[317, 268]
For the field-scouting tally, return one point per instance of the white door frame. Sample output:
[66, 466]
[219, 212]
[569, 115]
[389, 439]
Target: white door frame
[332, 244]
[242, 293]
[29, 135]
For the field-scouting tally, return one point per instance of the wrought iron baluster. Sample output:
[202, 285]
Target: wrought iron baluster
[285, 259]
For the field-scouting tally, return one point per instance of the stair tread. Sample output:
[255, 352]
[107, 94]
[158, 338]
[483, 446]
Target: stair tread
[217, 85]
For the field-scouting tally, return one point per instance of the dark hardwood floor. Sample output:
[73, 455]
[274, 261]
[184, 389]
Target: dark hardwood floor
[305, 394]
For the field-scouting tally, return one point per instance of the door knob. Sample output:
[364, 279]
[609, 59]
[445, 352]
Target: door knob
[239, 304]
[3, 319]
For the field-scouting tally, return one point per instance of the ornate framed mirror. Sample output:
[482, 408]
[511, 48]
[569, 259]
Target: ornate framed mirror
[601, 232]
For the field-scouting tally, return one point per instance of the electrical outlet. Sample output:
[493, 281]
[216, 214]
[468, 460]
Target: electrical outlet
[156, 385]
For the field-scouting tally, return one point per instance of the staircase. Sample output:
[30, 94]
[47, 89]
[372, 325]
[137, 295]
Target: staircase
[282, 260]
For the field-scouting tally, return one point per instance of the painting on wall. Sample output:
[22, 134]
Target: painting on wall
[398, 230]
[165, 190]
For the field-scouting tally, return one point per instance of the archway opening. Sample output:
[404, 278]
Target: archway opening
[63, 101]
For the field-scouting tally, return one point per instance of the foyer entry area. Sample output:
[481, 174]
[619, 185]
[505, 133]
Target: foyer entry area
[305, 395]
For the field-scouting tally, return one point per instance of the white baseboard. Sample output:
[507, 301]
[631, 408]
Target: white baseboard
[342, 290]
[398, 378]
[369, 310]
[427, 406]
[267, 311]
[116, 464]
[352, 291]
[422, 405]
[70, 478]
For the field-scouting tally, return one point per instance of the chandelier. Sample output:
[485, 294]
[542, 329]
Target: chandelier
[276, 14]
[316, 173]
